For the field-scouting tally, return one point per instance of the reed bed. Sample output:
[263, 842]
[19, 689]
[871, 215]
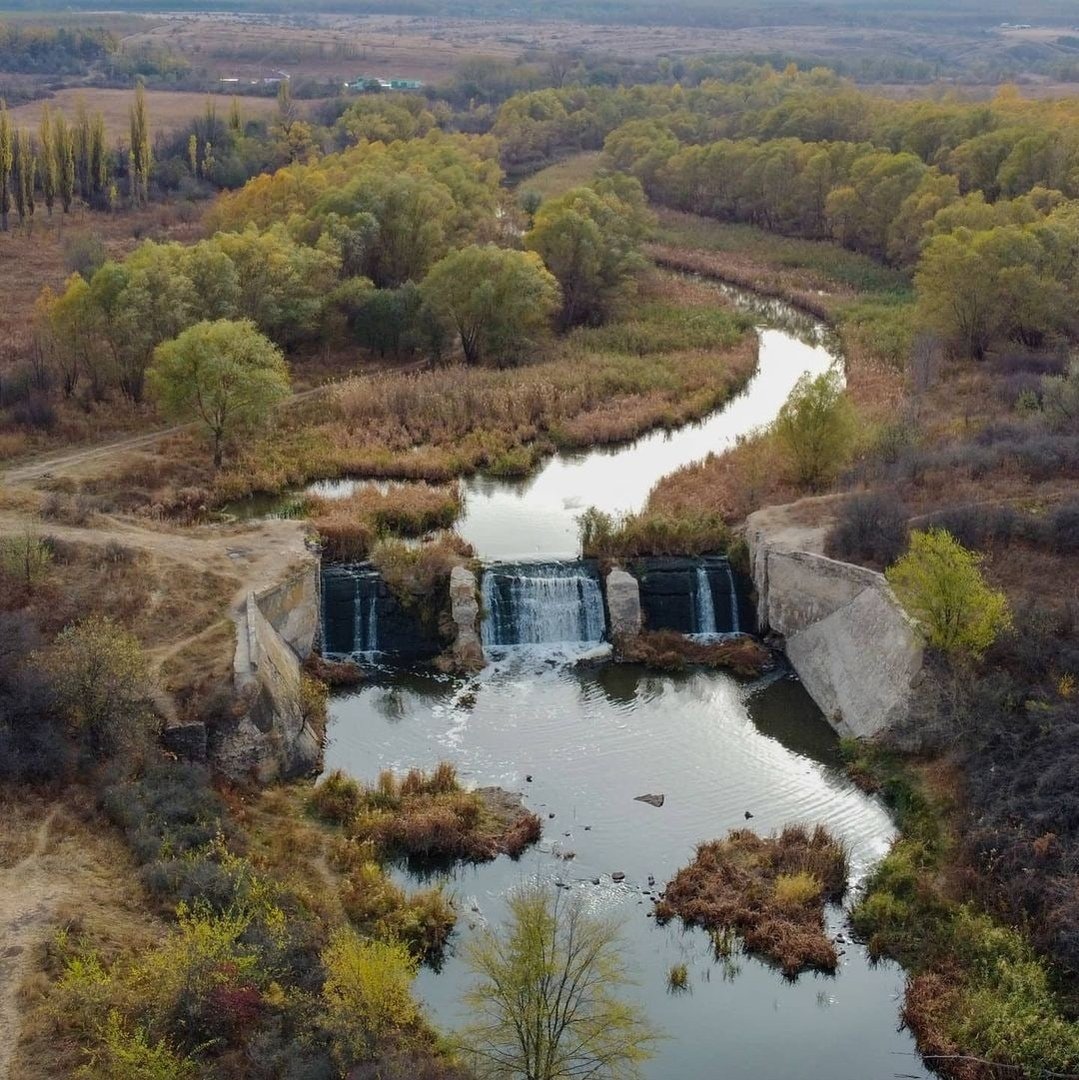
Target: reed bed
[667, 650]
[770, 890]
[349, 527]
[426, 815]
[680, 354]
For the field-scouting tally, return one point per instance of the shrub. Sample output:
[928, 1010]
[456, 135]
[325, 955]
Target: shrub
[939, 582]
[815, 429]
[337, 797]
[870, 529]
[124, 1054]
[170, 810]
[25, 560]
[367, 992]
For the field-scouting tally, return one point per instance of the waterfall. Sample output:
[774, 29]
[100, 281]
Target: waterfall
[736, 624]
[705, 608]
[365, 614]
[541, 604]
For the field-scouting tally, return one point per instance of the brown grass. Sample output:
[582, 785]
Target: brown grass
[348, 527]
[592, 387]
[428, 815]
[667, 650]
[770, 890]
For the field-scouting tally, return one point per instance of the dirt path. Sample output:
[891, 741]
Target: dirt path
[30, 892]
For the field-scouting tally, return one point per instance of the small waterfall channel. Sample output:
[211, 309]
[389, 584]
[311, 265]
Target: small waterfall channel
[542, 604]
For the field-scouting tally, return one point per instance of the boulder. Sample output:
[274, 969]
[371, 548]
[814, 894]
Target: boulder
[623, 604]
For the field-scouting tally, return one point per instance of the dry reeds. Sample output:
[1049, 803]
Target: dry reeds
[349, 527]
[667, 650]
[771, 890]
[427, 815]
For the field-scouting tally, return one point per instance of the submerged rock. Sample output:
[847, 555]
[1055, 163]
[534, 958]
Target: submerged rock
[652, 800]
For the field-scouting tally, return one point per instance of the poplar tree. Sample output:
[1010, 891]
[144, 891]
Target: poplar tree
[64, 152]
[81, 140]
[23, 174]
[140, 149]
[7, 153]
[236, 122]
[48, 161]
[99, 158]
[193, 153]
[18, 187]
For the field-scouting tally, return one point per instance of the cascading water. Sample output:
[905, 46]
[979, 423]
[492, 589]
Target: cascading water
[542, 604]
[705, 607]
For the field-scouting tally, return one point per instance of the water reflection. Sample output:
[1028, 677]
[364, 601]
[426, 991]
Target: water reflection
[589, 741]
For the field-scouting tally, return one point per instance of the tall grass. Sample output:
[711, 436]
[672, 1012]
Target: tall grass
[349, 527]
[679, 354]
[609, 537]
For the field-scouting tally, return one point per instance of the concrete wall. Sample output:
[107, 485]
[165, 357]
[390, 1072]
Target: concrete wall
[854, 648]
[276, 630]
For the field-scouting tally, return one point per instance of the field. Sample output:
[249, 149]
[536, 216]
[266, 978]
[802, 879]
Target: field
[168, 109]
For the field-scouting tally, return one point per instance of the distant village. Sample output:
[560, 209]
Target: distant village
[362, 84]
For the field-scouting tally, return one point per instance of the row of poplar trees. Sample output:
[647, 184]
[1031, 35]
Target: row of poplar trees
[68, 160]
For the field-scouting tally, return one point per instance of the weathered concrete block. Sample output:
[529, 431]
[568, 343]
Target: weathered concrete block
[851, 643]
[465, 610]
[623, 604]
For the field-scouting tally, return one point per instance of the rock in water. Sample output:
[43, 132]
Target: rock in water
[652, 800]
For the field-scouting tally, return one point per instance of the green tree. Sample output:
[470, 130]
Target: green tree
[940, 583]
[815, 429]
[64, 154]
[225, 374]
[141, 158]
[48, 160]
[590, 240]
[548, 999]
[7, 160]
[497, 301]
[102, 682]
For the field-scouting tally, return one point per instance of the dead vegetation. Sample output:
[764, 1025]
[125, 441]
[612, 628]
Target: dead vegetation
[349, 527]
[770, 890]
[667, 650]
[427, 815]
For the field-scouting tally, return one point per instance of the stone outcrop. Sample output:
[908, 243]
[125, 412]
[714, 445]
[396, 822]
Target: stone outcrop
[856, 651]
[623, 604]
[276, 629]
[467, 649]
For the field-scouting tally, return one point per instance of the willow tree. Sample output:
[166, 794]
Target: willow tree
[547, 1003]
[225, 375]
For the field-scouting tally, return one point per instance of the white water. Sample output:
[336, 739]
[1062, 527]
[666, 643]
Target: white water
[706, 609]
[541, 605]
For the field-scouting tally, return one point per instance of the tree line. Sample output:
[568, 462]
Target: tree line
[65, 161]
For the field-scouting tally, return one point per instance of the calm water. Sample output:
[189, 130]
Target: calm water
[536, 518]
[592, 740]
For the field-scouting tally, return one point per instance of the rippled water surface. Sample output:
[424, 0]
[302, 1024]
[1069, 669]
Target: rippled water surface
[582, 743]
[593, 740]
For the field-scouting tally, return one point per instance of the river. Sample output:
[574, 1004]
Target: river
[582, 742]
